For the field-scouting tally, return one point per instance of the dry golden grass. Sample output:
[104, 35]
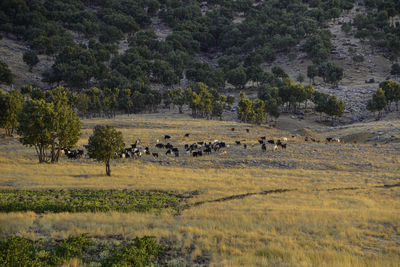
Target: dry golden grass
[298, 228]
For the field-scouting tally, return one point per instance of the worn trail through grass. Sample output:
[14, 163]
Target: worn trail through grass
[285, 190]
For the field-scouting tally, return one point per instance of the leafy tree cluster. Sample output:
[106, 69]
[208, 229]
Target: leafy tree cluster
[206, 102]
[283, 94]
[10, 106]
[98, 102]
[378, 27]
[48, 123]
[387, 93]
[292, 95]
[5, 73]
[328, 104]
[329, 71]
[268, 28]
[250, 111]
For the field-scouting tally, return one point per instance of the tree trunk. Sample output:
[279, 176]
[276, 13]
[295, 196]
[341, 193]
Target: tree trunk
[108, 170]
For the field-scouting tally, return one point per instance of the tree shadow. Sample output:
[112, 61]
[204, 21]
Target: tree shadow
[88, 175]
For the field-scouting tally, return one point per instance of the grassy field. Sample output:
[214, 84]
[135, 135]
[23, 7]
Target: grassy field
[358, 224]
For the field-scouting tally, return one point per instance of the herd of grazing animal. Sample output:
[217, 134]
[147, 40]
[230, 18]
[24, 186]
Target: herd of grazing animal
[196, 149]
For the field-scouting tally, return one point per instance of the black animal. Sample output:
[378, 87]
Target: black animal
[262, 137]
[169, 146]
[195, 154]
[168, 152]
[159, 145]
[199, 153]
[207, 150]
[73, 154]
[278, 143]
[329, 139]
[167, 137]
[264, 147]
[237, 142]
[244, 146]
[200, 143]
[248, 130]
[283, 146]
[186, 146]
[176, 154]
[271, 141]
[233, 129]
[155, 155]
[146, 150]
[261, 142]
[133, 145]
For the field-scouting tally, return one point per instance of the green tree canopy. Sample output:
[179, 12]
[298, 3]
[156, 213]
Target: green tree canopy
[10, 106]
[5, 73]
[104, 144]
[49, 124]
[36, 123]
[378, 102]
[31, 59]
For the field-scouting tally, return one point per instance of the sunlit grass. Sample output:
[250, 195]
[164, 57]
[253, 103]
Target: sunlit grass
[299, 228]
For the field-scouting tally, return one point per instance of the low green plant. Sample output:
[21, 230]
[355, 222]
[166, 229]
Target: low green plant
[78, 200]
[141, 252]
[19, 251]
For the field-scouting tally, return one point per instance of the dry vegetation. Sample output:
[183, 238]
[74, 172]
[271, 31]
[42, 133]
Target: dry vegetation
[306, 227]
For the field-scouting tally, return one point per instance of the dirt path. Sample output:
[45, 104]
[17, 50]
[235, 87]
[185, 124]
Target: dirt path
[286, 190]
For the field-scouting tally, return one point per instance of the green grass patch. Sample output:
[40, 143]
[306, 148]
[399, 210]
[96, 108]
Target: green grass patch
[78, 200]
[20, 251]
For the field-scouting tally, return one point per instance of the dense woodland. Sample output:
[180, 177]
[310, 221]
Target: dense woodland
[83, 37]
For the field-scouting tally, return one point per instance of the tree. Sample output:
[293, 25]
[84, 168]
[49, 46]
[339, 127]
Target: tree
[395, 70]
[237, 77]
[31, 59]
[5, 73]
[10, 106]
[334, 107]
[36, 126]
[105, 144]
[392, 93]
[312, 72]
[67, 126]
[258, 111]
[279, 72]
[49, 124]
[378, 102]
[176, 97]
[300, 78]
[330, 72]
[244, 109]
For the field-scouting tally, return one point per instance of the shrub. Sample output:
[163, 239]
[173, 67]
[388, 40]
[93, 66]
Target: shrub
[141, 252]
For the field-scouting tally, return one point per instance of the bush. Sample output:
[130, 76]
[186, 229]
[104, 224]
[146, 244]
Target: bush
[358, 59]
[18, 251]
[70, 248]
[140, 253]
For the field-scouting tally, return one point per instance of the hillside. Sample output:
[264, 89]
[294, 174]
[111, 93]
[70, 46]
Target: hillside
[154, 45]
